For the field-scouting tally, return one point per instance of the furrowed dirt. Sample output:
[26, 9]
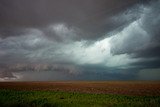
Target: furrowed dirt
[110, 87]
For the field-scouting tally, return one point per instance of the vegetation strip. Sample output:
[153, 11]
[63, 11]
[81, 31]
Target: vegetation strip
[13, 98]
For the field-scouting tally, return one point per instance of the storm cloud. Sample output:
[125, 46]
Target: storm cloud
[79, 40]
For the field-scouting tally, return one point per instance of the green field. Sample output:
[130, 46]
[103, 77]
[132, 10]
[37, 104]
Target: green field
[12, 98]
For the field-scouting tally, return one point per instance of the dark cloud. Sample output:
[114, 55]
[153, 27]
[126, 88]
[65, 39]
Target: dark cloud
[149, 74]
[140, 39]
[151, 52]
[142, 35]
[42, 12]
[79, 39]
[93, 17]
[148, 64]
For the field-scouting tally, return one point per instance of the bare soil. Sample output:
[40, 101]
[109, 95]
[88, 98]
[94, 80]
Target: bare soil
[148, 88]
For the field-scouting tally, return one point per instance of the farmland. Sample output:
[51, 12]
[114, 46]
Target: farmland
[79, 94]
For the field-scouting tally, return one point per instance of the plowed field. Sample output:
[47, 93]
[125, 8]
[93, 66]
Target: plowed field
[139, 88]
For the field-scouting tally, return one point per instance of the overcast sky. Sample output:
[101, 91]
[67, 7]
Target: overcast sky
[44, 40]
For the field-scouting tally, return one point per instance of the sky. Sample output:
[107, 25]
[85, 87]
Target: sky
[47, 40]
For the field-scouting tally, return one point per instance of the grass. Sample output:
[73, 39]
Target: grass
[13, 98]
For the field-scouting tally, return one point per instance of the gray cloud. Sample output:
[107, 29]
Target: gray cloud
[141, 34]
[93, 17]
[79, 40]
[152, 74]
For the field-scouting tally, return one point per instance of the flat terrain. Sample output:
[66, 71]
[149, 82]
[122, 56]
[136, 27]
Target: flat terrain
[14, 98]
[134, 88]
[80, 94]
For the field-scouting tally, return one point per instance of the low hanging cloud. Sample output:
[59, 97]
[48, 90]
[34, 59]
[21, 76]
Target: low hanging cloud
[152, 74]
[36, 47]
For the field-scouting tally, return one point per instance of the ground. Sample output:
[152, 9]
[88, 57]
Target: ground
[103, 87]
[80, 93]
